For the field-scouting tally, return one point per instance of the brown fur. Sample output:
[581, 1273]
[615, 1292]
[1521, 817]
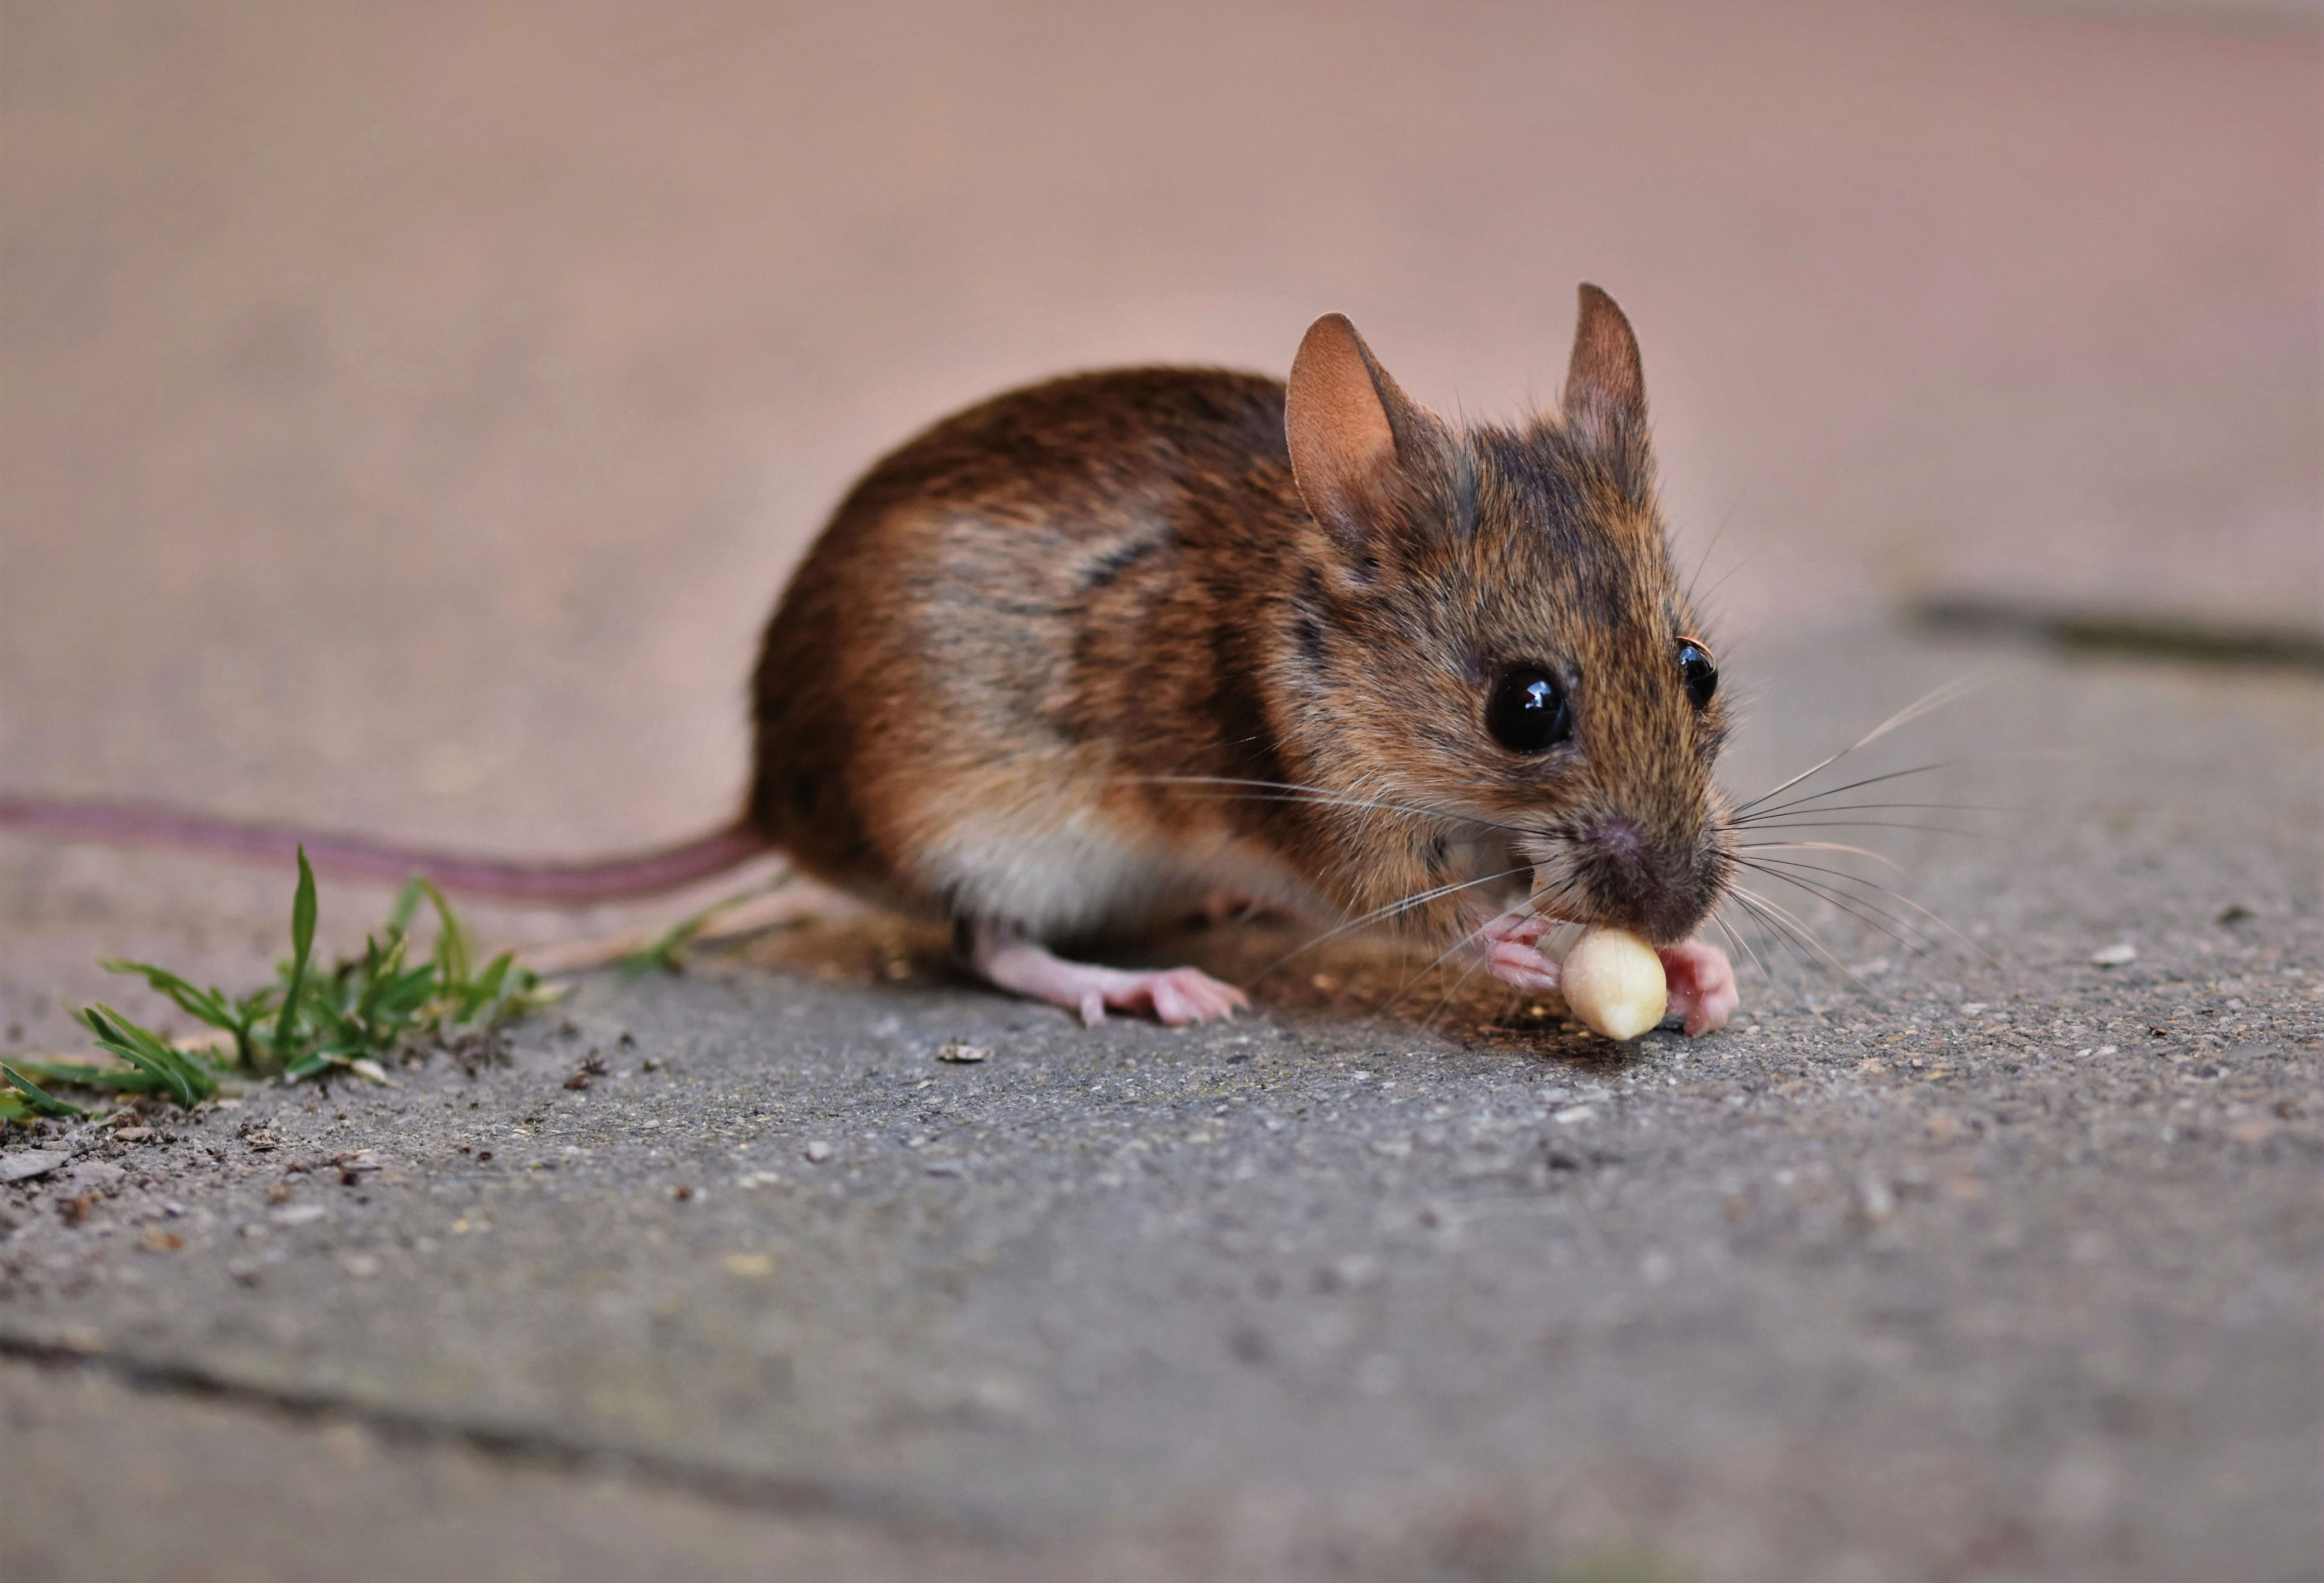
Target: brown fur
[1026, 632]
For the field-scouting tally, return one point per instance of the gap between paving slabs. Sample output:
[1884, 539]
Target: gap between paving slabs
[889, 1511]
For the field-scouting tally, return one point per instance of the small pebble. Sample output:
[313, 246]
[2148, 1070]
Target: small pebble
[26, 1163]
[966, 1054]
[817, 1152]
[2115, 955]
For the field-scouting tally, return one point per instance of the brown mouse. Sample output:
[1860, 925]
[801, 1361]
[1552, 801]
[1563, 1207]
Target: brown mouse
[1081, 657]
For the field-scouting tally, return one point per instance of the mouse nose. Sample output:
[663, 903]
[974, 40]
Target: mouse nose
[1617, 838]
[1653, 885]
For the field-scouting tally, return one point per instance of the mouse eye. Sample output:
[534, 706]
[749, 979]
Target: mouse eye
[1528, 712]
[1700, 676]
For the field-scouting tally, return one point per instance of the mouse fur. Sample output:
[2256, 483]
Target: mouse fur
[1076, 658]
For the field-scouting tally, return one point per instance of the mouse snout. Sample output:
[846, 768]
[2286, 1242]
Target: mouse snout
[1656, 884]
[1618, 839]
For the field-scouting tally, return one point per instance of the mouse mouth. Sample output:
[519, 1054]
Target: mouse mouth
[1550, 892]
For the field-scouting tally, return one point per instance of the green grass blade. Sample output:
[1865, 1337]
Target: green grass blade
[379, 969]
[186, 1081]
[407, 906]
[31, 1097]
[73, 1072]
[207, 1005]
[248, 1013]
[401, 1000]
[302, 944]
[664, 950]
[486, 992]
[454, 951]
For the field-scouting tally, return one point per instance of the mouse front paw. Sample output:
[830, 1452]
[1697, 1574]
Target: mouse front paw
[1702, 985]
[1513, 953]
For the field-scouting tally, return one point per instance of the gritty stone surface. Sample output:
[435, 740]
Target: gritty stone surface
[1961, 1257]
[408, 415]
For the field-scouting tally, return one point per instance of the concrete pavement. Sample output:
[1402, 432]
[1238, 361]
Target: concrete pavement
[1992, 1268]
[407, 419]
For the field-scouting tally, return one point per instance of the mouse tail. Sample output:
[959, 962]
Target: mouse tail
[546, 883]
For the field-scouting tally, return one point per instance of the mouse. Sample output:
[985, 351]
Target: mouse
[1081, 658]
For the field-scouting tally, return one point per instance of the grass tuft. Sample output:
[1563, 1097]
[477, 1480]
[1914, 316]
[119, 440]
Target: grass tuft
[310, 1022]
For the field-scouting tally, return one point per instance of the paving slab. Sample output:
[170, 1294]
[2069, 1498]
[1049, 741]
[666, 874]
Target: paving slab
[1959, 1256]
[407, 419]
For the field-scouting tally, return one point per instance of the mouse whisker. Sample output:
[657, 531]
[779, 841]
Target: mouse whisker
[1323, 797]
[1401, 904]
[1754, 808]
[1807, 956]
[1819, 846]
[1754, 804]
[1782, 935]
[1741, 943]
[1818, 810]
[1871, 915]
[1444, 1000]
[1809, 810]
[1897, 896]
[1934, 699]
[1776, 913]
[1703, 560]
[1747, 922]
[1760, 828]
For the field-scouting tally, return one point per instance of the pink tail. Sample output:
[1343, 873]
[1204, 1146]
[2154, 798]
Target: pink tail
[553, 884]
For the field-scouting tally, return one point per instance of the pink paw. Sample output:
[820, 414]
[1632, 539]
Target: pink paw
[1175, 995]
[1702, 985]
[1513, 951]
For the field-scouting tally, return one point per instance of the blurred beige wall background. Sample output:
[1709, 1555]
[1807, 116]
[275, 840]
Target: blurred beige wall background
[407, 413]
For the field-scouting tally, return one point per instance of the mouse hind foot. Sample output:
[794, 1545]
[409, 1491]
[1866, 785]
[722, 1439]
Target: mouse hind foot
[1177, 995]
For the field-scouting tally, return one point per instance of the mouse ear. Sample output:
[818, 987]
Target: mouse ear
[1605, 383]
[1348, 427]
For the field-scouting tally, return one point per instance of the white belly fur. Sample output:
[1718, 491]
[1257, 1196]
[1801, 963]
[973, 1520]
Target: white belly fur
[1059, 869]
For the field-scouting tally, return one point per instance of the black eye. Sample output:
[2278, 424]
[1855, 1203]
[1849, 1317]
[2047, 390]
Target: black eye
[1696, 671]
[1528, 713]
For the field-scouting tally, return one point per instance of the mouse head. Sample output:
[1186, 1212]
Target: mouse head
[1491, 628]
